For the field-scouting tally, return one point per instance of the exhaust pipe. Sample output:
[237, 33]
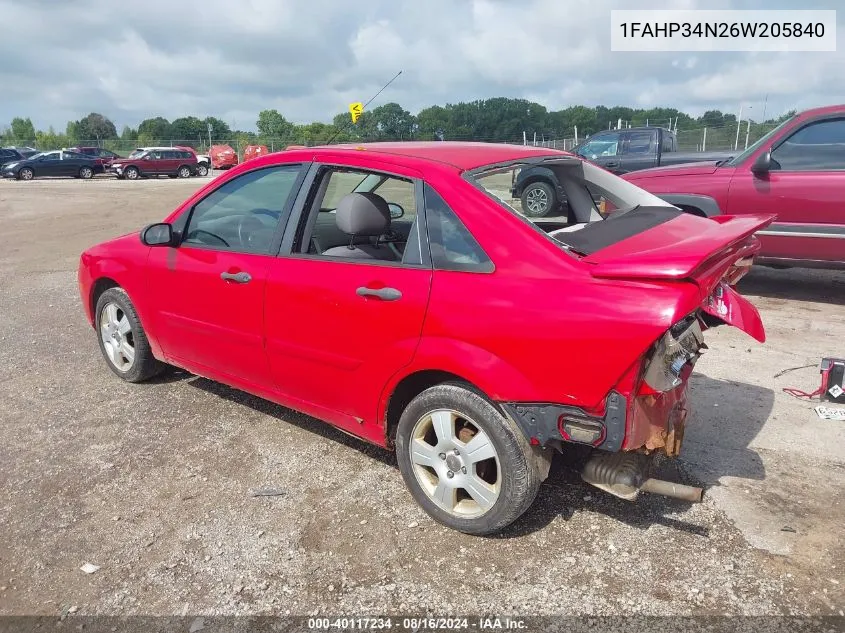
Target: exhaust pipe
[624, 475]
[671, 489]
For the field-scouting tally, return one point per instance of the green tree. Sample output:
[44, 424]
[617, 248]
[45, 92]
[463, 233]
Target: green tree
[95, 127]
[272, 125]
[393, 123]
[433, 123]
[22, 129]
[128, 133]
[219, 128]
[189, 130]
[50, 140]
[154, 129]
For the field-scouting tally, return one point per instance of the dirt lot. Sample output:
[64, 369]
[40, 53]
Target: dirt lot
[153, 482]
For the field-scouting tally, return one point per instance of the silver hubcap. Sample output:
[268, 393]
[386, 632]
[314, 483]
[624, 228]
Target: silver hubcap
[131, 174]
[455, 463]
[26, 174]
[537, 200]
[86, 173]
[117, 335]
[184, 173]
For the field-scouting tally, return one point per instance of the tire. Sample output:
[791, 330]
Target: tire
[86, 173]
[131, 173]
[202, 169]
[26, 174]
[507, 482]
[119, 330]
[184, 172]
[538, 200]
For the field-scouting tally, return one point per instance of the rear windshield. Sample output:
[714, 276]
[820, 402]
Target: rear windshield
[599, 208]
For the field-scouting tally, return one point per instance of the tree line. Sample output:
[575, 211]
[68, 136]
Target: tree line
[499, 120]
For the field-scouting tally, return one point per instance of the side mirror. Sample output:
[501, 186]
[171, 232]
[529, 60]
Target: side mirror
[763, 163]
[396, 211]
[160, 234]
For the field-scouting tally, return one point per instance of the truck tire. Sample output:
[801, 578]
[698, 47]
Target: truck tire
[538, 199]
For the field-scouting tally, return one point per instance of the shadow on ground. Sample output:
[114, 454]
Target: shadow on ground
[716, 445]
[801, 284]
[725, 417]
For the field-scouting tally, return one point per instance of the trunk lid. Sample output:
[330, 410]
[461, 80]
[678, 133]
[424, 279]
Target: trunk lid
[713, 253]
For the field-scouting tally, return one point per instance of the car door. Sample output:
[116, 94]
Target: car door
[805, 187]
[49, 165]
[70, 164]
[639, 150]
[603, 149]
[209, 290]
[338, 328]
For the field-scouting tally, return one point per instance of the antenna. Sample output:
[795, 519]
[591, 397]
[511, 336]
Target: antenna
[337, 132]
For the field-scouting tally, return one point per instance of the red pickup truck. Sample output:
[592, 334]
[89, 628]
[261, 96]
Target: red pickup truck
[796, 171]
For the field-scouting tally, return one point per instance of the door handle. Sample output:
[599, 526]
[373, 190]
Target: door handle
[613, 163]
[385, 294]
[238, 278]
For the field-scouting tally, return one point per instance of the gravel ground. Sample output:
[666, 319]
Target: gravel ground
[154, 483]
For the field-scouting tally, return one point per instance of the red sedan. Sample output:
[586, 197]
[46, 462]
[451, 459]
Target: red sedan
[392, 291]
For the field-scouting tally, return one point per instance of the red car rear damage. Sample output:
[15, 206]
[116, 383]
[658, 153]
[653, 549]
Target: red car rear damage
[469, 340]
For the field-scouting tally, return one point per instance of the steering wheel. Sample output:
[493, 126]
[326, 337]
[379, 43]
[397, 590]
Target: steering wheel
[196, 232]
[248, 226]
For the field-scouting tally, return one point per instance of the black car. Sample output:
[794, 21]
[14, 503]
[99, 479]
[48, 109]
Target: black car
[9, 155]
[57, 163]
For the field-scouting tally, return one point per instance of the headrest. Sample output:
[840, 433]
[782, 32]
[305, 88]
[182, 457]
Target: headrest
[363, 214]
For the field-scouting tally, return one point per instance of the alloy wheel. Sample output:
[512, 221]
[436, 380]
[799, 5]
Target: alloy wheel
[537, 201]
[455, 463]
[117, 336]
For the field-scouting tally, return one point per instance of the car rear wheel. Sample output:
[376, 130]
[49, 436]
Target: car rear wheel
[464, 463]
[202, 169]
[86, 173]
[132, 173]
[538, 200]
[122, 339]
[184, 172]
[25, 174]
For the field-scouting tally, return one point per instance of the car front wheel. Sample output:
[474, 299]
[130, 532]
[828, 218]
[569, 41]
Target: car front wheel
[25, 174]
[538, 200]
[184, 172]
[122, 339]
[202, 170]
[464, 463]
[132, 173]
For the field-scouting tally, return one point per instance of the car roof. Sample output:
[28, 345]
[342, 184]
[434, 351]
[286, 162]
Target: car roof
[459, 154]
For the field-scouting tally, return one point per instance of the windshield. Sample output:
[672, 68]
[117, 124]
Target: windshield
[738, 160]
[137, 153]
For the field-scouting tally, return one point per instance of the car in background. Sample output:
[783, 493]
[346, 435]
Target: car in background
[203, 161]
[618, 151]
[48, 164]
[223, 156]
[102, 156]
[169, 161]
[346, 281]
[9, 155]
[796, 171]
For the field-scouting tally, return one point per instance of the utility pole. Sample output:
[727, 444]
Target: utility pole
[738, 125]
[747, 132]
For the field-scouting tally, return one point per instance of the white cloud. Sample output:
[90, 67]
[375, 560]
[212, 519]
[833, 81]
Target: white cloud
[309, 59]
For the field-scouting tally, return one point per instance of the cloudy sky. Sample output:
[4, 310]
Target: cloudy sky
[309, 58]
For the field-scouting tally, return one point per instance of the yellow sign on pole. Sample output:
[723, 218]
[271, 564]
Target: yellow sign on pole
[355, 110]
